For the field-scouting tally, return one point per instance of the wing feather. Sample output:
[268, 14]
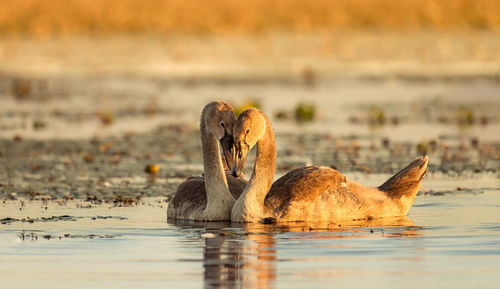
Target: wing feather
[191, 194]
[302, 185]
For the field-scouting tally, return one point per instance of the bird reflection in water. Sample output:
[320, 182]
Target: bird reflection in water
[245, 255]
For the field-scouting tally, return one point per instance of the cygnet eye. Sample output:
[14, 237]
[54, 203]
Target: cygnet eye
[248, 130]
[222, 124]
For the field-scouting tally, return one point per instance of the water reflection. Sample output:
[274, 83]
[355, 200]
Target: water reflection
[245, 255]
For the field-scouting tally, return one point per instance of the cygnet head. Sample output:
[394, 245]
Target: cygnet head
[248, 129]
[219, 120]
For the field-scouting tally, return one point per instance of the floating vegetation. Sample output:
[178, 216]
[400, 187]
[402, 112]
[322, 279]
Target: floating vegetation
[6, 221]
[105, 146]
[108, 217]
[104, 182]
[465, 116]
[106, 117]
[39, 124]
[115, 169]
[122, 201]
[422, 148]
[32, 236]
[41, 219]
[282, 115]
[152, 169]
[305, 112]
[458, 190]
[88, 158]
[238, 109]
[63, 218]
[376, 116]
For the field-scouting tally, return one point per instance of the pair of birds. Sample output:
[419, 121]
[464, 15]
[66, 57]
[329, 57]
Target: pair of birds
[312, 193]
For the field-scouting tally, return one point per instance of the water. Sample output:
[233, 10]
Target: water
[451, 237]
[446, 241]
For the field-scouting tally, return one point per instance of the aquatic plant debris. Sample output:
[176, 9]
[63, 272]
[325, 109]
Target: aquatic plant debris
[32, 236]
[66, 176]
[450, 192]
[8, 220]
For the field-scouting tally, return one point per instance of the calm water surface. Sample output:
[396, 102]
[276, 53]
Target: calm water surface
[450, 240]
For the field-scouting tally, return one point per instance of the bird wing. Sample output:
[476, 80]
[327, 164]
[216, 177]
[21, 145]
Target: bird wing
[302, 185]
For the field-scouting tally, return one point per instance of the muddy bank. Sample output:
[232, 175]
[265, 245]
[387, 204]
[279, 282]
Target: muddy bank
[103, 139]
[115, 169]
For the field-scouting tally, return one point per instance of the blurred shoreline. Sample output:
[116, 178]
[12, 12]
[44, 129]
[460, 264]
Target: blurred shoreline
[278, 57]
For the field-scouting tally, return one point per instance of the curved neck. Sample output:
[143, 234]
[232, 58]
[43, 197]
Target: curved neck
[250, 206]
[215, 179]
[265, 165]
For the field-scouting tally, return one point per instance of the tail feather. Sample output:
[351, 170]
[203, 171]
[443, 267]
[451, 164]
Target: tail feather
[407, 181]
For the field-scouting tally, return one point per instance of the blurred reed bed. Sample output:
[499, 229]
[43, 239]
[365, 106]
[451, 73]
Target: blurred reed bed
[43, 18]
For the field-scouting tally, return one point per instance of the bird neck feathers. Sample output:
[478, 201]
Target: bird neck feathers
[250, 206]
[215, 178]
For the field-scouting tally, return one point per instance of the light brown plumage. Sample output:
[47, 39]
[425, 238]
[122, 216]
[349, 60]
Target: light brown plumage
[312, 193]
[191, 194]
[211, 197]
